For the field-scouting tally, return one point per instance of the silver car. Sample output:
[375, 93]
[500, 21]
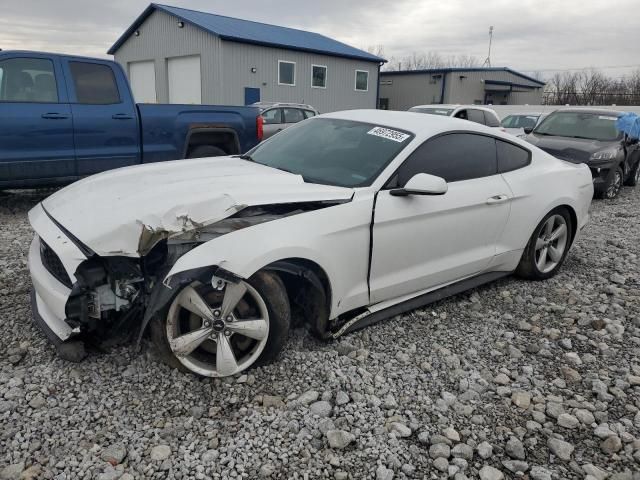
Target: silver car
[474, 113]
[278, 116]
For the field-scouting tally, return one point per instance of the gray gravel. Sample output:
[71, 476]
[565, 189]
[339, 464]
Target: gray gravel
[512, 379]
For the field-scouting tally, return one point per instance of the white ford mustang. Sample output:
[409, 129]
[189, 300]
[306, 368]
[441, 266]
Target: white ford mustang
[334, 223]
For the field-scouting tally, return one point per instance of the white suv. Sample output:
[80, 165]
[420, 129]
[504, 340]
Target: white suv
[278, 116]
[474, 113]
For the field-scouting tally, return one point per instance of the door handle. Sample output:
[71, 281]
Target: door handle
[55, 116]
[121, 116]
[497, 199]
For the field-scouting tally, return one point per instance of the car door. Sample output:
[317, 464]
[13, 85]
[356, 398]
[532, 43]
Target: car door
[422, 242]
[106, 133]
[36, 125]
[272, 122]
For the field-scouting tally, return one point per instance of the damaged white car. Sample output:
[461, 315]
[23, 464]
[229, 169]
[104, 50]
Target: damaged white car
[335, 223]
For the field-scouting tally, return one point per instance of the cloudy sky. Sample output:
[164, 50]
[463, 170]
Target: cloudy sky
[530, 35]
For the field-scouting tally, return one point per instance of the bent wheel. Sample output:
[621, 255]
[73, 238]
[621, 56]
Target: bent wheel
[217, 333]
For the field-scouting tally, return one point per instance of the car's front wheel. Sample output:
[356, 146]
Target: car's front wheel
[217, 333]
[612, 188]
[548, 246]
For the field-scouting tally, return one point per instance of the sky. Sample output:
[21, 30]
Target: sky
[529, 35]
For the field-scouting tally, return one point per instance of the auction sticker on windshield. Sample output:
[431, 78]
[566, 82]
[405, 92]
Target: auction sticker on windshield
[389, 134]
[603, 117]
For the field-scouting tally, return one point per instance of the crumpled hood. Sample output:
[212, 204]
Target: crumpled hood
[575, 150]
[118, 212]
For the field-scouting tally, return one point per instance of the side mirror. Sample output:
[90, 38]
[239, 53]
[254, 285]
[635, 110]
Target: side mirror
[528, 130]
[422, 184]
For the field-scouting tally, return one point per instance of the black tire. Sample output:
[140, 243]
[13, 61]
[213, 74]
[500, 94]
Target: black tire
[528, 268]
[203, 151]
[613, 186]
[273, 293]
[634, 175]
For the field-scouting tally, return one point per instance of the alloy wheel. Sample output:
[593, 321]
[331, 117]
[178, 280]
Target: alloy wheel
[551, 243]
[615, 185]
[217, 333]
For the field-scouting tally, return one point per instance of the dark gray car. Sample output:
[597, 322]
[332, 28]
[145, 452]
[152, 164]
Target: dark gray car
[590, 136]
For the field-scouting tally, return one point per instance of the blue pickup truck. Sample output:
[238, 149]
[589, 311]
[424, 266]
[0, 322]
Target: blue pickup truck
[65, 117]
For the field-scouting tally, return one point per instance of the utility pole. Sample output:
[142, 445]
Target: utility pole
[487, 62]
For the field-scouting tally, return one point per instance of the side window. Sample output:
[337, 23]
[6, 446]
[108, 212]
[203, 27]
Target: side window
[94, 83]
[309, 114]
[476, 115]
[293, 115]
[28, 80]
[511, 157]
[490, 120]
[454, 157]
[272, 116]
[462, 114]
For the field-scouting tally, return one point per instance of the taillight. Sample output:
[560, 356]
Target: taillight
[259, 127]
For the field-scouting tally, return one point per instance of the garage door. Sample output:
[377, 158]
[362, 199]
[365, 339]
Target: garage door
[184, 80]
[142, 77]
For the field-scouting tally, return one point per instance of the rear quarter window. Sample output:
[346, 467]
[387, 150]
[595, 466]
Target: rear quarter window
[491, 120]
[511, 157]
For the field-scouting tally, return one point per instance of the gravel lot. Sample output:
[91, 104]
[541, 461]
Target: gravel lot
[542, 378]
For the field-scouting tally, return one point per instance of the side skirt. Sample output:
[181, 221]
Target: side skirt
[368, 317]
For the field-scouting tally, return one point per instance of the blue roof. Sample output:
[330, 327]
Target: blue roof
[463, 69]
[245, 31]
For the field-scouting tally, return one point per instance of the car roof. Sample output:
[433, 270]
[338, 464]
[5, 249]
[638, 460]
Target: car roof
[282, 104]
[423, 126]
[454, 105]
[593, 111]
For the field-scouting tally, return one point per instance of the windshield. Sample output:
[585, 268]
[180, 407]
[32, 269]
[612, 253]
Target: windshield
[432, 111]
[520, 121]
[593, 126]
[331, 151]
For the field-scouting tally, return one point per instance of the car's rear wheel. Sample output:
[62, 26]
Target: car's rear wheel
[203, 151]
[548, 246]
[217, 333]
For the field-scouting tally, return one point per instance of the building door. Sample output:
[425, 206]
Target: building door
[142, 77]
[251, 95]
[184, 80]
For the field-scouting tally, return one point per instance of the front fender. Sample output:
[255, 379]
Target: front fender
[335, 238]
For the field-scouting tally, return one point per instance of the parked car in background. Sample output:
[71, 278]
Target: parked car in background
[64, 117]
[474, 113]
[517, 122]
[278, 116]
[221, 258]
[589, 136]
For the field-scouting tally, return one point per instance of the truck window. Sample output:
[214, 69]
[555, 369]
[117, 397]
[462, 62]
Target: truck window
[94, 83]
[28, 80]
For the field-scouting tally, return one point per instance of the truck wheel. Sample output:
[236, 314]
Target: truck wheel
[634, 175]
[203, 151]
[218, 333]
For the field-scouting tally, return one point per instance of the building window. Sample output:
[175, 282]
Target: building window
[362, 80]
[318, 76]
[286, 73]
